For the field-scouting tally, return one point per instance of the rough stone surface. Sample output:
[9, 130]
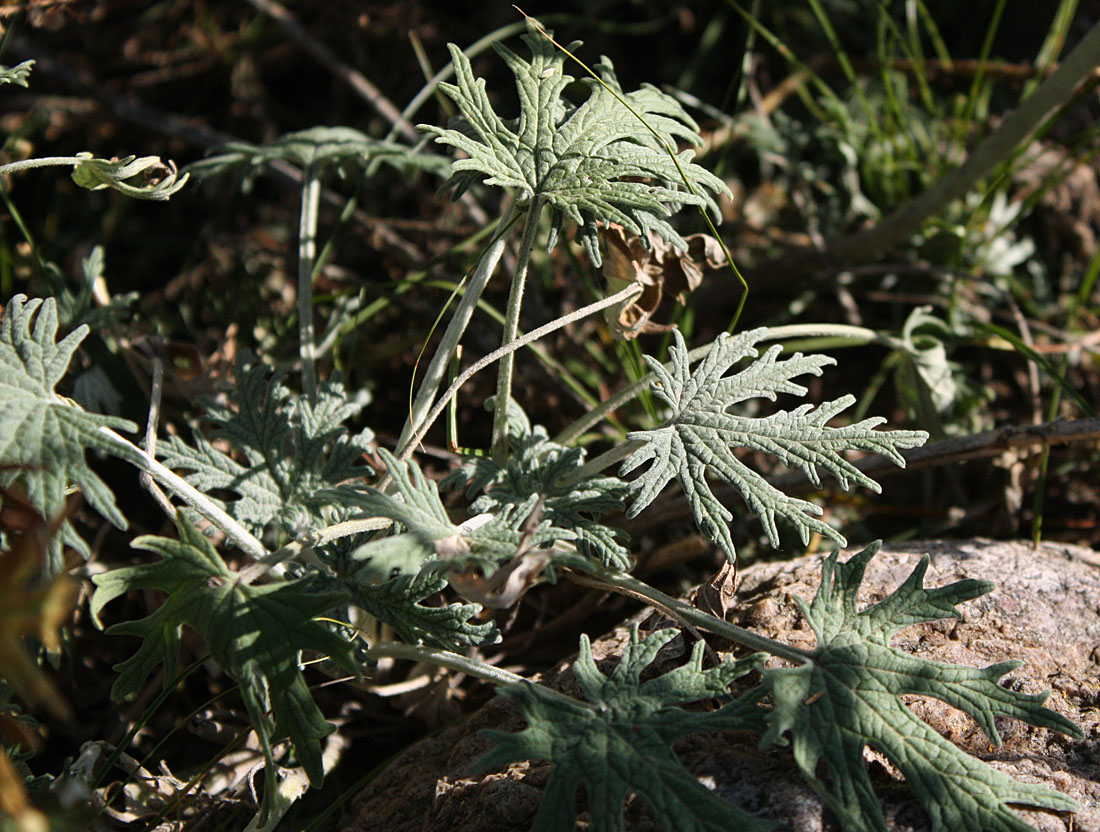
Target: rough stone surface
[1045, 612]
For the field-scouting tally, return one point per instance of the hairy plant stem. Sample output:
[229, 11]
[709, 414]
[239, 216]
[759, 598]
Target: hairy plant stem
[189, 494]
[511, 327]
[307, 252]
[302, 547]
[433, 376]
[45, 162]
[460, 664]
[858, 334]
[630, 586]
[508, 349]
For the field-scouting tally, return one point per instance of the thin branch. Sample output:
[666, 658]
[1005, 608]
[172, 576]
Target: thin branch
[307, 251]
[437, 368]
[40, 162]
[254, 571]
[631, 587]
[511, 328]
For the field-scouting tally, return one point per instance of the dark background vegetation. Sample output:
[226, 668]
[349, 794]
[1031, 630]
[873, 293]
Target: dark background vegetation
[214, 268]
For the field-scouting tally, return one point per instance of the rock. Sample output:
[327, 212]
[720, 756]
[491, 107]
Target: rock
[1045, 612]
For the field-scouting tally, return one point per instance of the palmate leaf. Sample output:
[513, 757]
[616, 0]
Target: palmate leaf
[43, 437]
[254, 632]
[699, 436]
[596, 162]
[849, 697]
[299, 456]
[536, 468]
[621, 742]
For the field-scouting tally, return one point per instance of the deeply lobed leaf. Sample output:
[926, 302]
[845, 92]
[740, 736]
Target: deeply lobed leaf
[536, 468]
[848, 697]
[343, 150]
[700, 436]
[430, 540]
[145, 177]
[301, 464]
[43, 437]
[396, 602]
[254, 632]
[593, 163]
[621, 742]
[17, 74]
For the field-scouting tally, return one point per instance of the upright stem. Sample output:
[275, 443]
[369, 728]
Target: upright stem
[511, 328]
[511, 347]
[433, 376]
[307, 252]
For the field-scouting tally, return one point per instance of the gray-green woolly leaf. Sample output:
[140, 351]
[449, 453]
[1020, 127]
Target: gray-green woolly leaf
[17, 74]
[254, 632]
[621, 742]
[700, 437]
[298, 458]
[159, 180]
[429, 540]
[339, 149]
[586, 160]
[397, 603]
[43, 437]
[536, 468]
[848, 697]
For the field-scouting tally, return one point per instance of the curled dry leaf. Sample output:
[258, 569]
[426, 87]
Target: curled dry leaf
[659, 268]
[718, 595]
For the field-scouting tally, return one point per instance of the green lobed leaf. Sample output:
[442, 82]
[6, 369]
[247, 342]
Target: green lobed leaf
[43, 436]
[593, 163]
[536, 468]
[848, 697]
[299, 458]
[80, 307]
[700, 437]
[254, 632]
[621, 742]
[396, 602]
[431, 541]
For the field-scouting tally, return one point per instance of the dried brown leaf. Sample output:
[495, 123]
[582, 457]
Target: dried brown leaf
[659, 268]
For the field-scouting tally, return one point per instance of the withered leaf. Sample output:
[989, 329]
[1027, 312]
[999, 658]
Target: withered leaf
[658, 268]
